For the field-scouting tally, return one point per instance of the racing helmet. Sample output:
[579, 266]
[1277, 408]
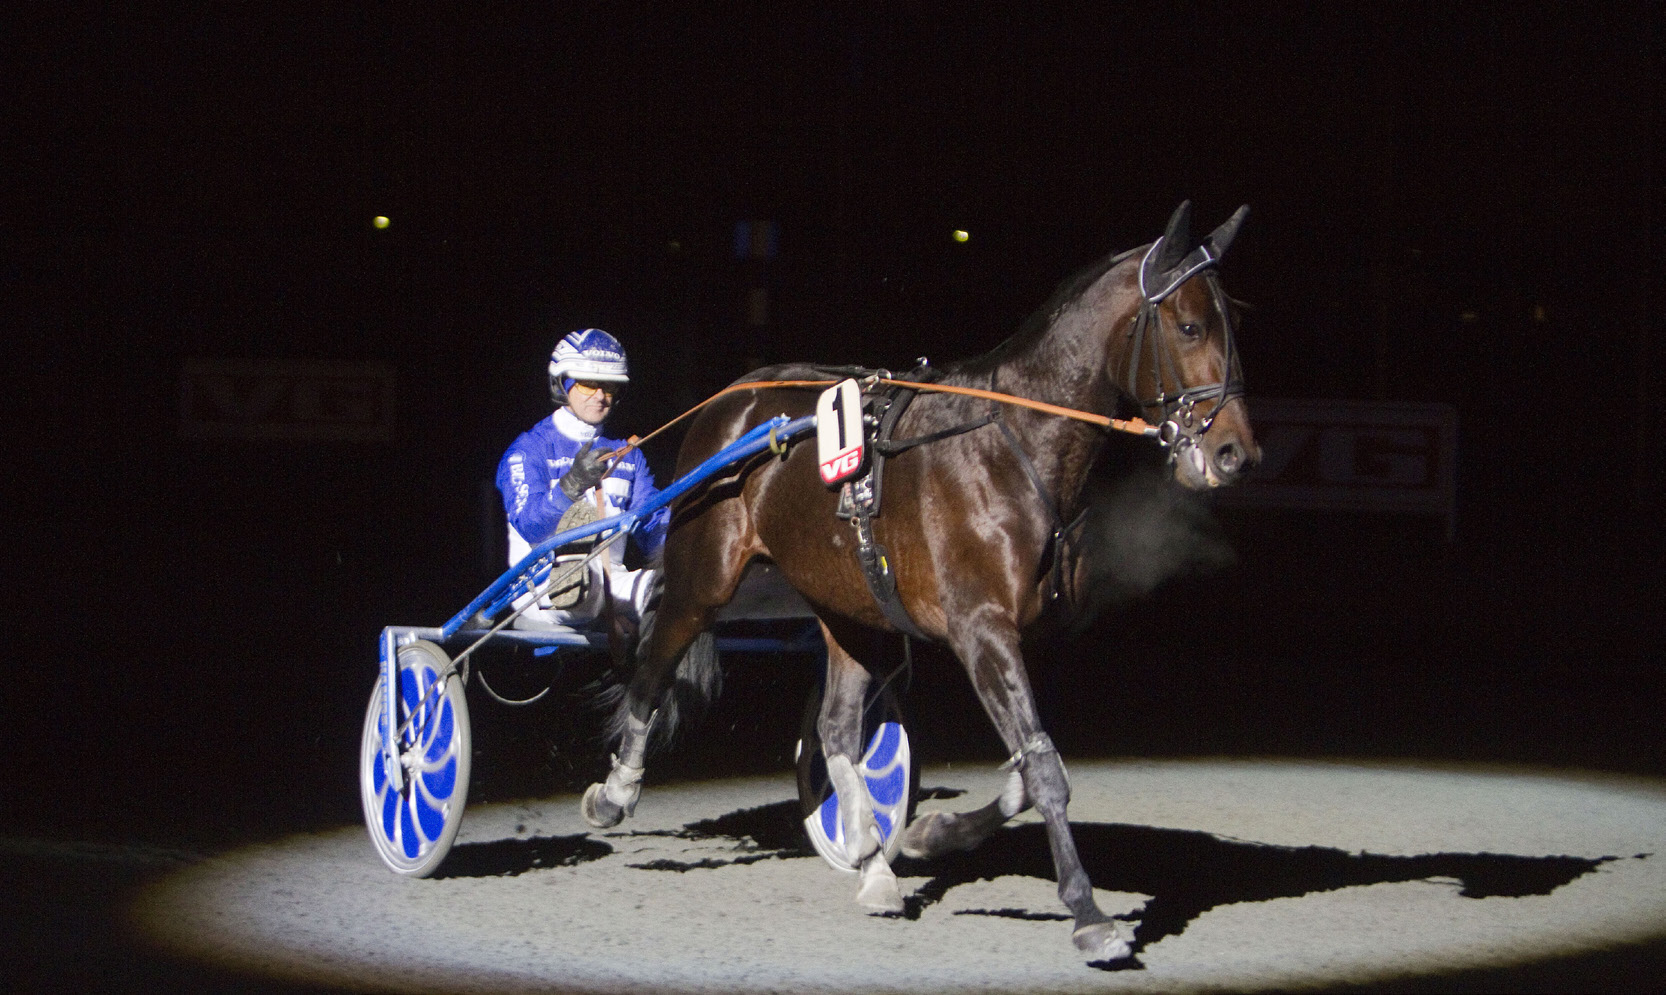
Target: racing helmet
[587, 354]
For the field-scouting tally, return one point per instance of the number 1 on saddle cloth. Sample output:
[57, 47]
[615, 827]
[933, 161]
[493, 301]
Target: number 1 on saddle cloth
[840, 449]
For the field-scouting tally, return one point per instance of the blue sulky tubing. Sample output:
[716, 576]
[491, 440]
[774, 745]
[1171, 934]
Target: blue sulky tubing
[529, 570]
[762, 436]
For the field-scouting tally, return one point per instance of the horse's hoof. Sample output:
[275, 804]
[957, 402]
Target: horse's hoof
[879, 893]
[919, 840]
[598, 811]
[1101, 941]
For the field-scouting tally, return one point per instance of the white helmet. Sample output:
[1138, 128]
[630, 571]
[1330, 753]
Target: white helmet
[587, 354]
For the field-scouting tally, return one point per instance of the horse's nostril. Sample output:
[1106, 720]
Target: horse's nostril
[1229, 458]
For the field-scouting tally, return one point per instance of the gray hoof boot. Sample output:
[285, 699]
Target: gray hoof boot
[598, 811]
[606, 805]
[1102, 941]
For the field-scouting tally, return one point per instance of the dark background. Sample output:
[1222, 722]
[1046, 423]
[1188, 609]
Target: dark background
[1449, 203]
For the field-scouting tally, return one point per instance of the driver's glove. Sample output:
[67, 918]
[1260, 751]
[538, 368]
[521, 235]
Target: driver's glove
[587, 471]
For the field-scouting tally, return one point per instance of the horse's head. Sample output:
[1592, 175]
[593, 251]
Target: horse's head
[1181, 362]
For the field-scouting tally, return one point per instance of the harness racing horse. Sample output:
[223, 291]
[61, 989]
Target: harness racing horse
[971, 522]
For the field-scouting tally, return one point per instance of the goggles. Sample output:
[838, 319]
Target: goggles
[585, 388]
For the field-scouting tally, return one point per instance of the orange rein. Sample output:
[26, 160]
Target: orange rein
[1135, 426]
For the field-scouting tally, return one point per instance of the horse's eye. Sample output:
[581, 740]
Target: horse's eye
[1190, 330]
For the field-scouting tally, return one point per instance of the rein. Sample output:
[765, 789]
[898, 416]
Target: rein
[1133, 426]
[1061, 529]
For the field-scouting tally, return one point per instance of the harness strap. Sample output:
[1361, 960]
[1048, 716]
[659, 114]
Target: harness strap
[870, 555]
[895, 400]
[882, 582]
[1030, 471]
[889, 448]
[923, 372]
[876, 569]
[1061, 532]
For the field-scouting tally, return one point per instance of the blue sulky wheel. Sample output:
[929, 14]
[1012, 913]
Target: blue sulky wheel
[887, 773]
[412, 827]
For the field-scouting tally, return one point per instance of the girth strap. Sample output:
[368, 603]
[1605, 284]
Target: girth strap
[882, 581]
[864, 496]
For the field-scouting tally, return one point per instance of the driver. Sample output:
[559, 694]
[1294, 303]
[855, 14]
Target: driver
[561, 463]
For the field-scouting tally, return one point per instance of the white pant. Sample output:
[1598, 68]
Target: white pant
[629, 588]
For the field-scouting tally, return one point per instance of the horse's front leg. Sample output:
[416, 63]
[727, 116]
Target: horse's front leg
[989, 650]
[840, 728]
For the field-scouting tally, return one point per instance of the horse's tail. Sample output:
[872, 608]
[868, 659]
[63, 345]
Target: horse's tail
[695, 683]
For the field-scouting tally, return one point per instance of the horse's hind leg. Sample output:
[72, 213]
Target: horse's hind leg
[992, 658]
[677, 642]
[696, 584]
[840, 728]
[937, 833]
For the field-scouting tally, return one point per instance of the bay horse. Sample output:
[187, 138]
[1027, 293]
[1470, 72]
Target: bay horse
[971, 521]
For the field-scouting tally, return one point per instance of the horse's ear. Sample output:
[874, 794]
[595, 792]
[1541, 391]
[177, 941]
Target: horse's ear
[1222, 237]
[1177, 239]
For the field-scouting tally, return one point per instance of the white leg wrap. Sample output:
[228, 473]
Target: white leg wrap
[624, 782]
[634, 746]
[1013, 800]
[855, 810]
[624, 786]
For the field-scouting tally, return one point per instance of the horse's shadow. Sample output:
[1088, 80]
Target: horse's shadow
[510, 857]
[1186, 872]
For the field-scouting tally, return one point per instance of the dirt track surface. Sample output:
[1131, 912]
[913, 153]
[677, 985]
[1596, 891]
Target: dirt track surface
[1229, 874]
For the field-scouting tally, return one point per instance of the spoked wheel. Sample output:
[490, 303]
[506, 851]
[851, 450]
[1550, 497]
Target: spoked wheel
[887, 774]
[413, 820]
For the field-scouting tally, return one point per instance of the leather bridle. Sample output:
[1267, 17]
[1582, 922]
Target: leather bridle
[1181, 426]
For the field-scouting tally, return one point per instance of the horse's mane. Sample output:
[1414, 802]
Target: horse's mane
[1041, 319]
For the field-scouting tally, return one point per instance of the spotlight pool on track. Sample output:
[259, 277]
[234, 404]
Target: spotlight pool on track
[1232, 873]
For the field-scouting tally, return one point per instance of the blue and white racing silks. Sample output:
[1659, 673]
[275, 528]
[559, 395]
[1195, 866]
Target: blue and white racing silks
[527, 477]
